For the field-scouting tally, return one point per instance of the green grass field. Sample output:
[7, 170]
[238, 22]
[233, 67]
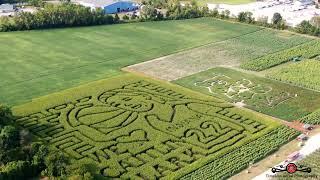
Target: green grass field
[41, 62]
[135, 127]
[267, 96]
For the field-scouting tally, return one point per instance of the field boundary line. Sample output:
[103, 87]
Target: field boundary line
[195, 47]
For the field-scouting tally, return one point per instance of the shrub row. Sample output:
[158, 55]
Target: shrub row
[56, 16]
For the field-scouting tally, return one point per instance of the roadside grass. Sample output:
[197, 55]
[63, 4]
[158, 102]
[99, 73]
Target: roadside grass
[132, 126]
[270, 97]
[36, 63]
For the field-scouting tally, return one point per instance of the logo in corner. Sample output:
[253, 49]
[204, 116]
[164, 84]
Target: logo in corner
[291, 168]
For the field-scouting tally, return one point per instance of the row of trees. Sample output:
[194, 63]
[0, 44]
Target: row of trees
[276, 21]
[311, 27]
[68, 15]
[21, 158]
[56, 16]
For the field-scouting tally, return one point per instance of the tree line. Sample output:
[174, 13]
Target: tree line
[56, 16]
[69, 15]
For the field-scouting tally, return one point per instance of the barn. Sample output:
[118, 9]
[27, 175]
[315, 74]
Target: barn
[110, 6]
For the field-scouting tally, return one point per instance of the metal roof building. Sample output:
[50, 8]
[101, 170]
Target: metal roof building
[110, 6]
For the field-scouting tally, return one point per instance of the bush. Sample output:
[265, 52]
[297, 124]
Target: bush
[56, 164]
[6, 116]
[125, 17]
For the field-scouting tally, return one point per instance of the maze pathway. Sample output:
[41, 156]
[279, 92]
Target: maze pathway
[138, 128]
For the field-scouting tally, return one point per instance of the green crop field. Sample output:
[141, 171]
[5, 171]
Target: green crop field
[260, 43]
[267, 96]
[304, 51]
[313, 118]
[231, 52]
[304, 73]
[40, 62]
[136, 127]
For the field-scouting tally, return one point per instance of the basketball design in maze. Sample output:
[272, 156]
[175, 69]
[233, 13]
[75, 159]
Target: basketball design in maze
[142, 130]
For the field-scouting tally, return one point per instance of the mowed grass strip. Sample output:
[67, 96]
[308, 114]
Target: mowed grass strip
[260, 94]
[36, 63]
[134, 127]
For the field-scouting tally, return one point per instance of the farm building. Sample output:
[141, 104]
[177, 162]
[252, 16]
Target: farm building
[110, 6]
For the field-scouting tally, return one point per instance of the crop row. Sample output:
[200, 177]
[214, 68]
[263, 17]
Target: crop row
[305, 73]
[305, 51]
[313, 118]
[237, 160]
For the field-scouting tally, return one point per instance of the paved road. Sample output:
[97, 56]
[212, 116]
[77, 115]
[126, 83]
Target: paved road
[310, 146]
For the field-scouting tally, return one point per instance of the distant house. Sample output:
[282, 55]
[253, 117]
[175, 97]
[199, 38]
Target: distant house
[110, 6]
[6, 8]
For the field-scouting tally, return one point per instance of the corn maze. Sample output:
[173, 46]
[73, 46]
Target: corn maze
[260, 94]
[143, 129]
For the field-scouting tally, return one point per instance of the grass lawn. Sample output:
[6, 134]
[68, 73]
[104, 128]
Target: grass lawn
[267, 96]
[40, 62]
[131, 126]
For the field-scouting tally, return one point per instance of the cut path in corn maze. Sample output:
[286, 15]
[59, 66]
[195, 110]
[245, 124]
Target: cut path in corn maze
[271, 97]
[141, 128]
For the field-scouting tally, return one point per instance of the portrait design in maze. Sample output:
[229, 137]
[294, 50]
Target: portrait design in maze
[142, 130]
[244, 91]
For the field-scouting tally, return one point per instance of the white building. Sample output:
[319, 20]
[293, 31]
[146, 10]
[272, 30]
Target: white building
[109, 6]
[6, 8]
[293, 12]
[303, 2]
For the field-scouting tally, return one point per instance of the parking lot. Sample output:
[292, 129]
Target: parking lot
[292, 12]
